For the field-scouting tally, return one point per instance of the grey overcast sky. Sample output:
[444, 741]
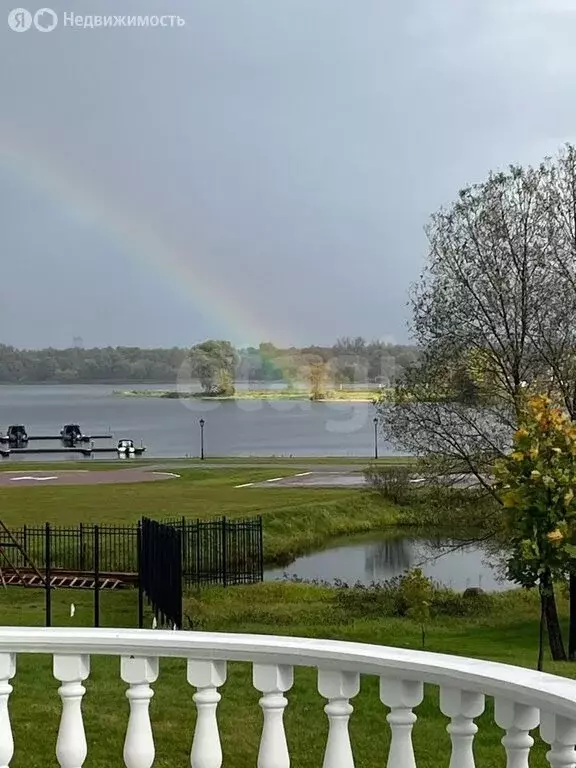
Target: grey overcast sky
[263, 172]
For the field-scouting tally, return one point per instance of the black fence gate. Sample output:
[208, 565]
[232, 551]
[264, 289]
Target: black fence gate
[160, 571]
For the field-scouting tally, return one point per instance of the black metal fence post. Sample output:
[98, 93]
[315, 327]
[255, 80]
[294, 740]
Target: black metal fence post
[140, 585]
[224, 554]
[198, 554]
[260, 549]
[48, 577]
[96, 576]
[82, 563]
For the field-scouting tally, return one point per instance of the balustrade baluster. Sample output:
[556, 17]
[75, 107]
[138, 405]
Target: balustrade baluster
[338, 688]
[7, 672]
[273, 681]
[401, 696]
[517, 720]
[461, 707]
[139, 749]
[207, 677]
[71, 746]
[560, 733]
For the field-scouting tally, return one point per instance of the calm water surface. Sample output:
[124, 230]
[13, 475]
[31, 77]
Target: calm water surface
[169, 428]
[370, 559]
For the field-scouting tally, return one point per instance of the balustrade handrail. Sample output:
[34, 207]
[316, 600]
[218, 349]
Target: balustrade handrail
[538, 689]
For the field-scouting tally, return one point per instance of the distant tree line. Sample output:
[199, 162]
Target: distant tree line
[349, 360]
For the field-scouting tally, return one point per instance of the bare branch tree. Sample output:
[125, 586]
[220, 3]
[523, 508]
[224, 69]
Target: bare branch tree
[494, 316]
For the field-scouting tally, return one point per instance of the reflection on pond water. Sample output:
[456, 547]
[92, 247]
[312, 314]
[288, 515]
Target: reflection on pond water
[369, 559]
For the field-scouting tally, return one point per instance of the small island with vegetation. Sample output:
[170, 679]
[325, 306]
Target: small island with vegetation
[342, 395]
[319, 374]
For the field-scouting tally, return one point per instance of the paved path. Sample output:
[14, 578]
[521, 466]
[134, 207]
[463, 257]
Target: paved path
[24, 477]
[342, 479]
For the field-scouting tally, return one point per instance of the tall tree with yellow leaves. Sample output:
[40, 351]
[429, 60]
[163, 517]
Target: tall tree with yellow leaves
[537, 486]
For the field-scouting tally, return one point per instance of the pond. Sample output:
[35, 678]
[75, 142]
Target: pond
[373, 558]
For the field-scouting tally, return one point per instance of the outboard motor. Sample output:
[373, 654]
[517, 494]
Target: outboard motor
[126, 448]
[17, 436]
[71, 434]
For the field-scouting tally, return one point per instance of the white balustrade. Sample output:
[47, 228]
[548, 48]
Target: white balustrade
[207, 677]
[401, 696]
[338, 688]
[560, 733]
[461, 707]
[273, 680]
[517, 720]
[71, 747]
[523, 699]
[7, 672]
[139, 672]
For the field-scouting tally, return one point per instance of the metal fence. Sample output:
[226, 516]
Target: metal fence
[160, 571]
[213, 551]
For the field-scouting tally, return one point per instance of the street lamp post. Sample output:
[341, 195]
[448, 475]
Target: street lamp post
[202, 422]
[375, 422]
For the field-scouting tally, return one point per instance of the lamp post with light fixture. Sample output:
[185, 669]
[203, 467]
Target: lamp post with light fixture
[202, 422]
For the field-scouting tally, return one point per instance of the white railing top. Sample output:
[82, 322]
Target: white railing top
[544, 691]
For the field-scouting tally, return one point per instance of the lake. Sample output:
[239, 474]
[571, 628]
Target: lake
[371, 558]
[169, 428]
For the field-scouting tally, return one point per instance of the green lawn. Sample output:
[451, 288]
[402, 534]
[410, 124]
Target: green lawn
[507, 632]
[295, 519]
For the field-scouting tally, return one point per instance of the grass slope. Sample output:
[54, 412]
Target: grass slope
[508, 633]
[295, 519]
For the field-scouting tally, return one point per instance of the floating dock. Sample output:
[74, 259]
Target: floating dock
[7, 452]
[17, 441]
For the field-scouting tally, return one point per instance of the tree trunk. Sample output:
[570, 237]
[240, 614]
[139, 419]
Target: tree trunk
[548, 599]
[541, 635]
[572, 603]
[572, 626]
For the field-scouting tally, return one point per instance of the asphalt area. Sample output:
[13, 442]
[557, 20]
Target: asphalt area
[312, 480]
[14, 478]
[324, 479]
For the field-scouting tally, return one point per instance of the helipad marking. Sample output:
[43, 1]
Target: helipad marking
[15, 479]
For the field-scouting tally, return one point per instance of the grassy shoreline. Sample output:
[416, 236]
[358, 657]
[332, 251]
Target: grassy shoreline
[345, 395]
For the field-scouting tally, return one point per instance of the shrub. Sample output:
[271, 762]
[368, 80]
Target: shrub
[412, 595]
[393, 482]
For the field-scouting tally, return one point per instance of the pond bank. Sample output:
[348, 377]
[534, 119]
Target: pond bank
[381, 556]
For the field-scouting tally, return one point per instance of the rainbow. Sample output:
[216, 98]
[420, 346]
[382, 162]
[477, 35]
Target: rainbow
[141, 244]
